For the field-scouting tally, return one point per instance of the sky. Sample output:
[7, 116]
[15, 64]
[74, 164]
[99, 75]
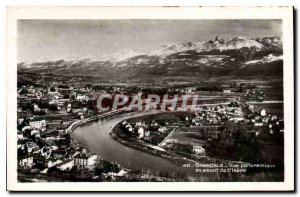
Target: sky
[43, 39]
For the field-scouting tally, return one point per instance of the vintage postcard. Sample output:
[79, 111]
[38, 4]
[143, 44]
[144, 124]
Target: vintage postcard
[150, 99]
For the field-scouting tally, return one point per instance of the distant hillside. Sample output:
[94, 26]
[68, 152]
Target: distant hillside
[217, 57]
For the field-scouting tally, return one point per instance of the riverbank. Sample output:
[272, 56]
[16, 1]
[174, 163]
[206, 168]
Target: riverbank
[143, 174]
[137, 155]
[148, 149]
[116, 134]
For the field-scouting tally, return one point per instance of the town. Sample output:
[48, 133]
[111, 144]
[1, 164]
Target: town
[51, 107]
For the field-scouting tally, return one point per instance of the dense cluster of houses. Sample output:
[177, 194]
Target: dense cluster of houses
[43, 142]
[208, 119]
[153, 132]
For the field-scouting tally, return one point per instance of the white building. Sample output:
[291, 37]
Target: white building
[26, 161]
[20, 120]
[36, 108]
[199, 150]
[85, 161]
[66, 165]
[263, 112]
[162, 129]
[259, 124]
[37, 124]
[32, 146]
[81, 97]
[34, 132]
[141, 132]
[129, 127]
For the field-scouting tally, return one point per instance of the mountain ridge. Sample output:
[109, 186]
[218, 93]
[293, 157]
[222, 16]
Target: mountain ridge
[213, 57]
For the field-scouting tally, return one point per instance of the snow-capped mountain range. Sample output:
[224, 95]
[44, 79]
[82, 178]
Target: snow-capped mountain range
[170, 59]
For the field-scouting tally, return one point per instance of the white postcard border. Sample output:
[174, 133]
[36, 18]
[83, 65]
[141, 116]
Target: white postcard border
[16, 13]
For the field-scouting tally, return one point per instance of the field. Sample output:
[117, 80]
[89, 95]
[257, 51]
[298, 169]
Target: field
[205, 97]
[188, 135]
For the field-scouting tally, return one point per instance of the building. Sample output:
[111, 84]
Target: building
[35, 132]
[129, 127]
[226, 91]
[197, 121]
[36, 108]
[199, 150]
[81, 97]
[26, 161]
[141, 132]
[32, 146]
[38, 124]
[263, 112]
[259, 124]
[20, 120]
[69, 108]
[82, 160]
[66, 165]
[162, 129]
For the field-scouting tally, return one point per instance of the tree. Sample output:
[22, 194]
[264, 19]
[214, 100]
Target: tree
[105, 167]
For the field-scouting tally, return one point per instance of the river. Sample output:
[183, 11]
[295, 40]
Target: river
[94, 136]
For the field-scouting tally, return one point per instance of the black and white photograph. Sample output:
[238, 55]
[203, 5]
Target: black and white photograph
[139, 100]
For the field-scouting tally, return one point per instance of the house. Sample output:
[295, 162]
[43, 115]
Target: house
[274, 117]
[140, 123]
[26, 161]
[141, 132]
[80, 115]
[20, 120]
[69, 108]
[83, 160]
[36, 108]
[199, 150]
[32, 146]
[35, 132]
[258, 124]
[66, 165]
[266, 119]
[162, 129]
[38, 124]
[26, 128]
[251, 107]
[81, 97]
[129, 127]
[263, 112]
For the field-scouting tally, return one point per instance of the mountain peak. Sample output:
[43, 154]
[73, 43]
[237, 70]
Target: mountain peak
[217, 43]
[118, 56]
